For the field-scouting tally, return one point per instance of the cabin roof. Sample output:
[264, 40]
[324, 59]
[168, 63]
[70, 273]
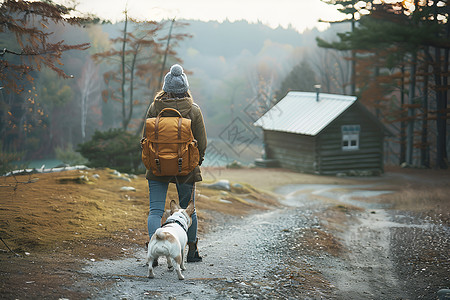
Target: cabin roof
[301, 113]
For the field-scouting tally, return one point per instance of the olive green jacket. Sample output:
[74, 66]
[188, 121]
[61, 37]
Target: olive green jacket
[190, 110]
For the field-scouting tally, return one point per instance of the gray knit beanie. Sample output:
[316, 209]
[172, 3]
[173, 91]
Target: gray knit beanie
[176, 81]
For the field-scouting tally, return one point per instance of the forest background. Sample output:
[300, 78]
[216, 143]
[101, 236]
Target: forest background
[236, 70]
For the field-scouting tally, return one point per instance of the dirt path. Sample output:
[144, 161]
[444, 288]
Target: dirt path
[345, 238]
[367, 268]
[239, 260]
[290, 252]
[377, 251]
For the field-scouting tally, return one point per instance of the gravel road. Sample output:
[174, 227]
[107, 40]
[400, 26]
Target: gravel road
[269, 255]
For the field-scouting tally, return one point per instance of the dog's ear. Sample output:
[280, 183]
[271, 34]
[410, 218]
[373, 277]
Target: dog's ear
[174, 206]
[166, 215]
[190, 208]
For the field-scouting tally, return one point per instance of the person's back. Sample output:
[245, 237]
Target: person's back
[175, 94]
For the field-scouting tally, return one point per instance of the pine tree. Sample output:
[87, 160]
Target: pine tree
[349, 8]
[406, 34]
[301, 78]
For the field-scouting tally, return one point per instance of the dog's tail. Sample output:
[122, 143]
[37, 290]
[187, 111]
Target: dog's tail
[160, 234]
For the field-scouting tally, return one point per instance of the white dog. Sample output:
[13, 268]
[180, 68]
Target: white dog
[170, 240]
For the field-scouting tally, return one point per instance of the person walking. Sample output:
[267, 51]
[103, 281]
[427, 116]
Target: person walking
[175, 94]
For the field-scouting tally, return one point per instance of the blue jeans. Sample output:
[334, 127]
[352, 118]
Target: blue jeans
[157, 195]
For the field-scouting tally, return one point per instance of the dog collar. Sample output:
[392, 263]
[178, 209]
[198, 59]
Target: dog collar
[171, 221]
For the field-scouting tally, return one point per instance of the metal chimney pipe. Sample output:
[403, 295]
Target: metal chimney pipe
[317, 87]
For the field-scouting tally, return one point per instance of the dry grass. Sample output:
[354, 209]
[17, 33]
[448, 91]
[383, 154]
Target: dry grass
[45, 213]
[336, 217]
[314, 241]
[432, 200]
[419, 198]
[54, 209]
[57, 209]
[269, 179]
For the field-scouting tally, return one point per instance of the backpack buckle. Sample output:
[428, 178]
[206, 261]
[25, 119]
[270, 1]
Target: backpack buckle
[158, 165]
[180, 163]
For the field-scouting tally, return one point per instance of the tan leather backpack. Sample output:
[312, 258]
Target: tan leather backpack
[169, 147]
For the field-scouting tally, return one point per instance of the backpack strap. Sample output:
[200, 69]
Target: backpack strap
[158, 165]
[170, 109]
[180, 155]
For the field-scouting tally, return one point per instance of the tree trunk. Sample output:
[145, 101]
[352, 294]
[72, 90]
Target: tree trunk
[441, 81]
[377, 102]
[411, 112]
[130, 109]
[353, 76]
[83, 116]
[163, 66]
[124, 43]
[445, 101]
[402, 157]
[424, 148]
[87, 84]
[441, 106]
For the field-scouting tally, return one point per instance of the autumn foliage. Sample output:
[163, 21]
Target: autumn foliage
[26, 23]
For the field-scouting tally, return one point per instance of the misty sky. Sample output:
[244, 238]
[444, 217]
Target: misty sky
[301, 14]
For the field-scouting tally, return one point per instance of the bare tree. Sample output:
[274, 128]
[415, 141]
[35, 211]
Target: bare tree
[333, 69]
[137, 60]
[89, 92]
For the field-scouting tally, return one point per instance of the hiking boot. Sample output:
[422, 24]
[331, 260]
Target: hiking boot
[193, 255]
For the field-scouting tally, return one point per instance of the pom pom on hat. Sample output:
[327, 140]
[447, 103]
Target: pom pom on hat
[176, 81]
[176, 70]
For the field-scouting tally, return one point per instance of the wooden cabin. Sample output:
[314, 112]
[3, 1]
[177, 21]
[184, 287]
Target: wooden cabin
[322, 134]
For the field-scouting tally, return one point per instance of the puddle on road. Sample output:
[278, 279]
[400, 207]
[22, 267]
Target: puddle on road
[376, 242]
[297, 194]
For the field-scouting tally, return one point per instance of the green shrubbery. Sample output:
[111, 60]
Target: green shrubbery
[115, 148]
[70, 156]
[9, 161]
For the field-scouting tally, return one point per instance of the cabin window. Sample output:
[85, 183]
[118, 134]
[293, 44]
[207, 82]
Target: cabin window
[350, 137]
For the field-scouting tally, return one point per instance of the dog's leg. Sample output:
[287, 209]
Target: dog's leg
[147, 260]
[150, 267]
[182, 261]
[177, 267]
[169, 263]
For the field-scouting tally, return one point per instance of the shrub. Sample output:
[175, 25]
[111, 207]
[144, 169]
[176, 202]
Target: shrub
[70, 156]
[10, 160]
[115, 148]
